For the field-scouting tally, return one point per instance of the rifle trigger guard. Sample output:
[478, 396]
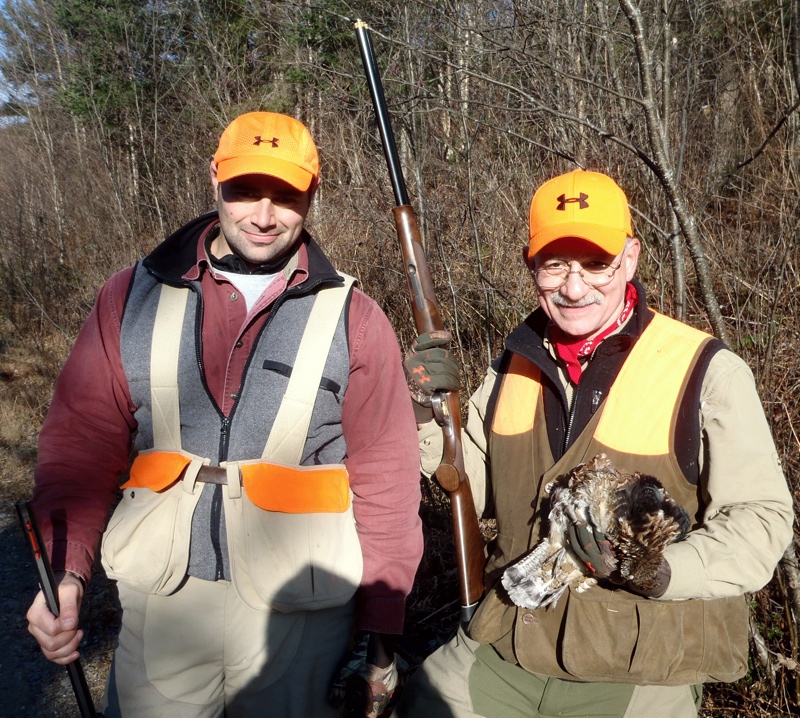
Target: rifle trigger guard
[439, 407]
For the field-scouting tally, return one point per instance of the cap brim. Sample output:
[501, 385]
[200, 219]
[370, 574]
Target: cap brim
[608, 239]
[290, 173]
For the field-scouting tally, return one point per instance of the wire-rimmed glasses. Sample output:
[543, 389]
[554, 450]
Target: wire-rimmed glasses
[553, 275]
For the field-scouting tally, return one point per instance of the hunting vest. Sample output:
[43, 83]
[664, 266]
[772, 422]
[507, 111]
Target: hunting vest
[604, 634]
[281, 516]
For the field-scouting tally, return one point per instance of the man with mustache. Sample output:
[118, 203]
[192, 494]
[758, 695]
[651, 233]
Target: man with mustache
[595, 370]
[254, 404]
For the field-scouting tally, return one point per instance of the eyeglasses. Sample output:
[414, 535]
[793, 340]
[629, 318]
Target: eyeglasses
[554, 275]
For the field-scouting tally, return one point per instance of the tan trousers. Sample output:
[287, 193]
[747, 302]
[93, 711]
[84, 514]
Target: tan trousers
[202, 653]
[465, 679]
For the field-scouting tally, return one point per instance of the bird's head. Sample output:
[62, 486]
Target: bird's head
[648, 497]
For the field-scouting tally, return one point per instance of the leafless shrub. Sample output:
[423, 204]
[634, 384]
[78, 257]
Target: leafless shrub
[691, 106]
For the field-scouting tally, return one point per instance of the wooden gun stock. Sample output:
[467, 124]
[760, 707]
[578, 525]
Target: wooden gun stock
[450, 473]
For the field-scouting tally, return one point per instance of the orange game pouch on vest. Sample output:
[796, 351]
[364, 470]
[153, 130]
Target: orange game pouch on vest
[297, 489]
[272, 487]
[156, 470]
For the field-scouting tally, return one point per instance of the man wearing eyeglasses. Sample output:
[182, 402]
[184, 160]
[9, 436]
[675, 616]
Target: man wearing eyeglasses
[595, 370]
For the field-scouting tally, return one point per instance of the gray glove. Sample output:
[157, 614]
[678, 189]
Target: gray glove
[593, 549]
[430, 366]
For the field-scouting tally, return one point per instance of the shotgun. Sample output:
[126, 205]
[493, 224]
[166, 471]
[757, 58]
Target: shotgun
[450, 474]
[33, 537]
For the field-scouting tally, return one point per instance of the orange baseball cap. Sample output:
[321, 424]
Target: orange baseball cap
[587, 205]
[268, 143]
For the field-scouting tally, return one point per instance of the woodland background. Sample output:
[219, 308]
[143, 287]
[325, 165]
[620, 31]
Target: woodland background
[112, 109]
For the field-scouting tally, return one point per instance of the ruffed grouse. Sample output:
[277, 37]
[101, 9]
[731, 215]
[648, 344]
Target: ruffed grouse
[634, 512]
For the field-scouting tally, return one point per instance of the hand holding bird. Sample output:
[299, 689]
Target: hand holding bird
[605, 522]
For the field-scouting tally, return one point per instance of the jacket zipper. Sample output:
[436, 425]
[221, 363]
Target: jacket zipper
[215, 518]
[597, 398]
[224, 436]
[224, 439]
[570, 419]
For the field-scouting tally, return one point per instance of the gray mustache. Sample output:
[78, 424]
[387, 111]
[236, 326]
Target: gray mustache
[561, 301]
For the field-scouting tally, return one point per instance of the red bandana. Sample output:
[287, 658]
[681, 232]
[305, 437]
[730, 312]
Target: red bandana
[572, 351]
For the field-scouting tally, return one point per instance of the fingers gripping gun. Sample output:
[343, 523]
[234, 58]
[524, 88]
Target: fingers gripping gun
[33, 538]
[450, 474]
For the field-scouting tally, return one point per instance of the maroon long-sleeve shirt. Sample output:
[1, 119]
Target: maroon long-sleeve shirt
[85, 443]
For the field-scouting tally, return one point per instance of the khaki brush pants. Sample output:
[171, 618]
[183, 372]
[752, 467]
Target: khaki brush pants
[202, 653]
[465, 679]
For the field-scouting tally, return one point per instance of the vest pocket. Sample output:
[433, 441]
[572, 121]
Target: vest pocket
[620, 637]
[146, 542]
[292, 561]
[639, 639]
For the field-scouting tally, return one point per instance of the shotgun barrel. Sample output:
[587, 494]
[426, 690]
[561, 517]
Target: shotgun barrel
[44, 570]
[450, 473]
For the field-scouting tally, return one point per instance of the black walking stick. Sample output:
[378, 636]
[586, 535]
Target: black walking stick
[33, 536]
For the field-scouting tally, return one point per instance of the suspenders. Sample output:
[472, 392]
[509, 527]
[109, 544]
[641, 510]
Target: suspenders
[288, 436]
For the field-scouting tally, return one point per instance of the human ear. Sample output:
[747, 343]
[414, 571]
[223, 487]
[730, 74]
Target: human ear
[631, 257]
[212, 169]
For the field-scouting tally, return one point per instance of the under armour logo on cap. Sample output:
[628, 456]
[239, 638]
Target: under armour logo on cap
[562, 201]
[581, 205]
[268, 143]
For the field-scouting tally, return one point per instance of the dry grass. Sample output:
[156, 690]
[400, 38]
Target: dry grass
[26, 382]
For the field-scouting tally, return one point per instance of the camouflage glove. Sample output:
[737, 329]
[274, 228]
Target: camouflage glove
[593, 549]
[363, 688]
[430, 366]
